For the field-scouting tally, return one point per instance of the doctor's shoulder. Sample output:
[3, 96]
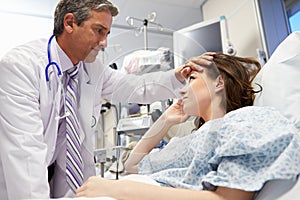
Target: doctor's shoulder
[28, 58]
[30, 50]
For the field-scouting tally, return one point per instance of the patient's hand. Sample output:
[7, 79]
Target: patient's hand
[96, 187]
[174, 114]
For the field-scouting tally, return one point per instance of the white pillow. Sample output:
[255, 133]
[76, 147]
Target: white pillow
[280, 79]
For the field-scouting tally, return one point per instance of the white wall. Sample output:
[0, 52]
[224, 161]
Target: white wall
[22, 28]
[22, 21]
[242, 23]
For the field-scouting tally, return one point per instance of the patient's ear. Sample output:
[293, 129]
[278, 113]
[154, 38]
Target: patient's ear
[219, 84]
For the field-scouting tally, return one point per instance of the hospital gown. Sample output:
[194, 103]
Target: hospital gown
[243, 150]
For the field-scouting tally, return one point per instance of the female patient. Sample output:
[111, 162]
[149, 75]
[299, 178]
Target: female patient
[234, 151]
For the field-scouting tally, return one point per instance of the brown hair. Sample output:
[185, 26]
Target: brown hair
[238, 74]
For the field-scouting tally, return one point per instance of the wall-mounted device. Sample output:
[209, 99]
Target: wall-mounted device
[228, 47]
[197, 39]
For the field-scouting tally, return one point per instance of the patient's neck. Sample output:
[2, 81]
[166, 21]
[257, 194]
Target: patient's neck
[214, 112]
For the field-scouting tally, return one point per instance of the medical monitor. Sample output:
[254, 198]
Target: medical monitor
[196, 40]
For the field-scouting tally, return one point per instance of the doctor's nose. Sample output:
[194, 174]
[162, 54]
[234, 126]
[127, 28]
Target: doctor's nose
[103, 43]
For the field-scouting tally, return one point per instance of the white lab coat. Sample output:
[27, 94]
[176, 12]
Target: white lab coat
[29, 105]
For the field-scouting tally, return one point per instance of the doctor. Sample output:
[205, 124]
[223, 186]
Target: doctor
[33, 88]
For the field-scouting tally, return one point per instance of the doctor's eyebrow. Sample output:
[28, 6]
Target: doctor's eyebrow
[101, 27]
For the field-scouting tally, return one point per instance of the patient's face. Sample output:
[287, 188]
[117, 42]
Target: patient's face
[197, 95]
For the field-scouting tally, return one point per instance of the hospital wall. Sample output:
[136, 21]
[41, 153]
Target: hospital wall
[243, 28]
[22, 22]
[252, 24]
[18, 29]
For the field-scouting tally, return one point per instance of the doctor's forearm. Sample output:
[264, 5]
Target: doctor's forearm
[147, 88]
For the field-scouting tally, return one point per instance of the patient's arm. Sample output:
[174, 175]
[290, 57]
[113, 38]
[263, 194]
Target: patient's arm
[125, 189]
[154, 135]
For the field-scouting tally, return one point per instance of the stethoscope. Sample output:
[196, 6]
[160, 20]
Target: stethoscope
[52, 63]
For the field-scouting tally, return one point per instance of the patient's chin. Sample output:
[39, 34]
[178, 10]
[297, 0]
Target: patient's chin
[186, 110]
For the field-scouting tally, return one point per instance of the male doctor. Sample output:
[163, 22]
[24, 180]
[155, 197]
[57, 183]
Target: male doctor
[33, 106]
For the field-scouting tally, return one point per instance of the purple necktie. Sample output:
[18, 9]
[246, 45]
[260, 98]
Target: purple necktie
[74, 164]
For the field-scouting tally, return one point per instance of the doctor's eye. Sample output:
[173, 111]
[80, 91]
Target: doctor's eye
[99, 30]
[102, 32]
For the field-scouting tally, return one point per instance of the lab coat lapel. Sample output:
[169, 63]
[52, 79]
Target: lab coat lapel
[57, 85]
[87, 91]
[50, 106]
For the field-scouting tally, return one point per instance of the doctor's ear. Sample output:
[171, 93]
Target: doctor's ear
[219, 83]
[69, 20]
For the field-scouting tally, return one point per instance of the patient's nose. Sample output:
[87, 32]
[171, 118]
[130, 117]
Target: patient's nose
[183, 90]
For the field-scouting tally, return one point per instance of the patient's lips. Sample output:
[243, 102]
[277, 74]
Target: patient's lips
[184, 100]
[184, 97]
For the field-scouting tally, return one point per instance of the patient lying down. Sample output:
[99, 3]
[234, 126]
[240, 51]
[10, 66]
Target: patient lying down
[235, 150]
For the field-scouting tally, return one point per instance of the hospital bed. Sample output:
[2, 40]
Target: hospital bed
[281, 89]
[279, 79]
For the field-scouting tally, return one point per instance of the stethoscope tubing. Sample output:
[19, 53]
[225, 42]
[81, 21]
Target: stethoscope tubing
[50, 62]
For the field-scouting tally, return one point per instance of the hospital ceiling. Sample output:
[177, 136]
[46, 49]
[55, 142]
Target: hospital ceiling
[171, 14]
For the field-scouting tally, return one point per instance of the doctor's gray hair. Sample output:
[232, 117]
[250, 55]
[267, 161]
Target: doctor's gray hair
[81, 10]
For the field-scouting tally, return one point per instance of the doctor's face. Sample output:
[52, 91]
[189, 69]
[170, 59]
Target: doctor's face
[91, 35]
[196, 94]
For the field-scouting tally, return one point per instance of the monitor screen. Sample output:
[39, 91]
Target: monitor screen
[196, 40]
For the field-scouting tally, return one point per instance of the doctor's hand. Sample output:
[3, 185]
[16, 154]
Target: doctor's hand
[202, 60]
[193, 64]
[97, 187]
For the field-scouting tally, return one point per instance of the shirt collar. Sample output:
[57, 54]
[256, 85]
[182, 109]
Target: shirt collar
[65, 62]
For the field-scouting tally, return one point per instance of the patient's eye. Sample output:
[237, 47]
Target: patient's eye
[191, 78]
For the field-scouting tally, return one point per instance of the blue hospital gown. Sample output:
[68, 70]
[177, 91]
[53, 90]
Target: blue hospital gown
[243, 150]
